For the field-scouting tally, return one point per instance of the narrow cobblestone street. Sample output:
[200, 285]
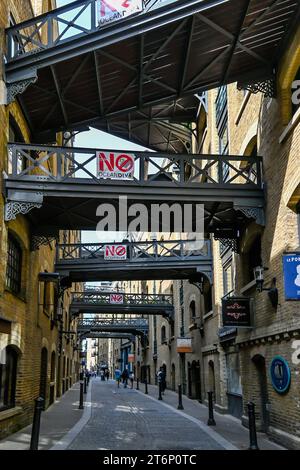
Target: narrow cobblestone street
[124, 419]
[127, 419]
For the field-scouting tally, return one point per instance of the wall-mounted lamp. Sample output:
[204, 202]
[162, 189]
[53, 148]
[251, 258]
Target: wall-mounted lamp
[272, 291]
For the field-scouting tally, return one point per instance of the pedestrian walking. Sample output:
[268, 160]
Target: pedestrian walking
[161, 378]
[107, 374]
[102, 375]
[125, 376]
[131, 378]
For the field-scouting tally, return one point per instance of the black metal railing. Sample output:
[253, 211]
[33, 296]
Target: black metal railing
[150, 251]
[107, 322]
[56, 27]
[64, 164]
[99, 298]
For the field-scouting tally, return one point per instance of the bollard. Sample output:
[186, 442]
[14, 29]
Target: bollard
[159, 391]
[180, 405]
[84, 385]
[137, 384]
[146, 387]
[35, 432]
[81, 392]
[211, 420]
[252, 427]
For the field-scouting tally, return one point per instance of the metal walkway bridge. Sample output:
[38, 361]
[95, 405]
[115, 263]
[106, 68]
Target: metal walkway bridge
[136, 326]
[142, 260]
[65, 182]
[121, 303]
[132, 76]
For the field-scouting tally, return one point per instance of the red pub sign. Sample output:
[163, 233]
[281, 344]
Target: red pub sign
[237, 311]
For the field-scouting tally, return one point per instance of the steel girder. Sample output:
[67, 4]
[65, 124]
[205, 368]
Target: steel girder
[144, 260]
[134, 326]
[65, 182]
[121, 303]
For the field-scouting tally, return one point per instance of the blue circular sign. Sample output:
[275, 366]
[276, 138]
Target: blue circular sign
[280, 374]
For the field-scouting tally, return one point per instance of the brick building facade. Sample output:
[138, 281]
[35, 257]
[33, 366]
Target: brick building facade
[235, 363]
[38, 353]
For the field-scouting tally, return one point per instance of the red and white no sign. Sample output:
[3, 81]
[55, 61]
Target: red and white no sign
[115, 252]
[115, 165]
[116, 298]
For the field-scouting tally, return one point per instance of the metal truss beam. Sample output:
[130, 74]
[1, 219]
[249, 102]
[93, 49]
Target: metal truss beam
[121, 303]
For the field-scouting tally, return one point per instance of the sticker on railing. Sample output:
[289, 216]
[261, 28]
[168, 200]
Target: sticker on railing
[116, 298]
[115, 252]
[115, 165]
[113, 10]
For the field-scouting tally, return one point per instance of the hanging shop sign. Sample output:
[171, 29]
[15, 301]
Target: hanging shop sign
[131, 358]
[280, 374]
[291, 273]
[116, 299]
[184, 345]
[114, 10]
[237, 311]
[115, 165]
[115, 252]
[227, 333]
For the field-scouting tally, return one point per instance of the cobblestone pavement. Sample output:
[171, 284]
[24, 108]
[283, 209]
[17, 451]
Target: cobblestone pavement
[124, 419]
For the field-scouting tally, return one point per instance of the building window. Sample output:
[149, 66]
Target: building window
[8, 376]
[192, 311]
[222, 128]
[15, 135]
[227, 278]
[14, 266]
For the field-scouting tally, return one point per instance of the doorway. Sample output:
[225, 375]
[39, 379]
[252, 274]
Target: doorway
[43, 373]
[261, 374]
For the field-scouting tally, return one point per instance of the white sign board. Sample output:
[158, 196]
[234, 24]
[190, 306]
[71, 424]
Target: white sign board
[115, 252]
[113, 10]
[116, 299]
[184, 345]
[115, 165]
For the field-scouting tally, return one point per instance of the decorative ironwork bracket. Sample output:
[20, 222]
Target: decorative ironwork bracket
[14, 208]
[39, 240]
[17, 88]
[256, 213]
[232, 243]
[267, 87]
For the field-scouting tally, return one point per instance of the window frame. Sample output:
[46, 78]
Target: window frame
[14, 283]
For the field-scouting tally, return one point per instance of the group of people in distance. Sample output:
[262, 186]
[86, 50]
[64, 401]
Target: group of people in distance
[124, 376]
[129, 375]
[104, 374]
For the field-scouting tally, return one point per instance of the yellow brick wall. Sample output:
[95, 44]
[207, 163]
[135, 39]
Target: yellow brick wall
[32, 328]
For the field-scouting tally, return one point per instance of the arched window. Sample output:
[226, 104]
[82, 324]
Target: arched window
[163, 335]
[192, 310]
[14, 265]
[8, 378]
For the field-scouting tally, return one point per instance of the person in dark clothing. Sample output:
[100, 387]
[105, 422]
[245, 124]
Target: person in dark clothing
[125, 376]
